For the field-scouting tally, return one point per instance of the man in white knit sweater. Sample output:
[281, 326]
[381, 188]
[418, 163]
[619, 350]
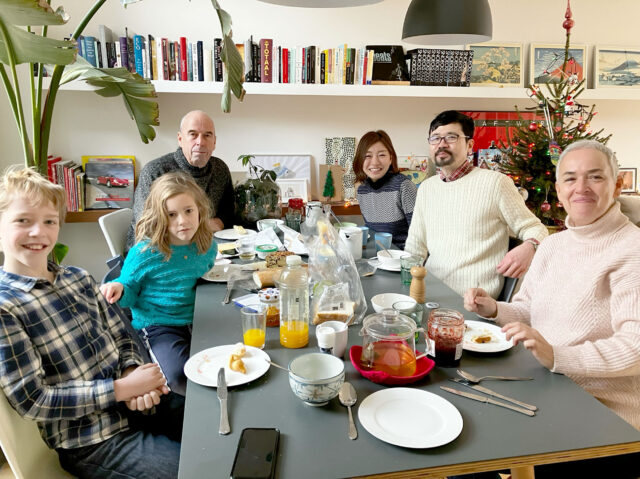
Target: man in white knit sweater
[463, 216]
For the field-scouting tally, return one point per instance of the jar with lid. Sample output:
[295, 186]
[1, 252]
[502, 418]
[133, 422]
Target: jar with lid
[270, 298]
[445, 332]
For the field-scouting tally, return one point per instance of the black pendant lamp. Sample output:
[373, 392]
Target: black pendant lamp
[322, 3]
[447, 22]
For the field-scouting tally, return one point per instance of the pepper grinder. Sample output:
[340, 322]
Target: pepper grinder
[417, 288]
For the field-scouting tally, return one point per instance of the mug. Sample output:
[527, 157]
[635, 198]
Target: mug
[353, 237]
[365, 236]
[340, 336]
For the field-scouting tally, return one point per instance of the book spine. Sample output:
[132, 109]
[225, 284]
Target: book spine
[255, 62]
[323, 58]
[266, 60]
[137, 54]
[285, 65]
[145, 61]
[184, 72]
[217, 52]
[118, 54]
[200, 61]
[194, 61]
[81, 49]
[104, 34]
[208, 64]
[124, 52]
[90, 51]
[151, 58]
[98, 48]
[370, 67]
[172, 61]
[131, 56]
[164, 45]
[189, 62]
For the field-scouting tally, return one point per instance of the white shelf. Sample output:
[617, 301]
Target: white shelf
[163, 86]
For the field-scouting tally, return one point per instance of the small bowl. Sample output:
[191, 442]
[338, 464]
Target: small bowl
[267, 223]
[424, 366]
[385, 300]
[391, 257]
[264, 249]
[316, 378]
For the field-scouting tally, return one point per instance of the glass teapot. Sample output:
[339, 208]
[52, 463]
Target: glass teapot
[388, 343]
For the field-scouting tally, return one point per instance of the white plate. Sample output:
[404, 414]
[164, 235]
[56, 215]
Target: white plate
[478, 328]
[410, 418]
[220, 271]
[203, 367]
[375, 262]
[232, 234]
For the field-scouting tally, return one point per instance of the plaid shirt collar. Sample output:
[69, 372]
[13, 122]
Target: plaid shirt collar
[27, 283]
[463, 170]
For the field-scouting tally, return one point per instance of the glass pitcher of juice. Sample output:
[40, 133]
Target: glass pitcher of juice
[389, 343]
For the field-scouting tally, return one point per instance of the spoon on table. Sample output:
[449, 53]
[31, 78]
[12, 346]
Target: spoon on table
[475, 380]
[348, 398]
[276, 365]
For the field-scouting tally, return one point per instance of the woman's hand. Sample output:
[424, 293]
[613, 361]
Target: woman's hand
[532, 340]
[112, 291]
[478, 301]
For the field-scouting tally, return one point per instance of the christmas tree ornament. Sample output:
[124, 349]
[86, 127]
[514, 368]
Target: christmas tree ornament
[554, 152]
[533, 126]
[545, 206]
[568, 22]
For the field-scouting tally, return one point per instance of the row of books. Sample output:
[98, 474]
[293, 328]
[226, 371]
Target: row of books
[98, 182]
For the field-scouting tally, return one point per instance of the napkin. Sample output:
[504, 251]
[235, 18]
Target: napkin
[293, 240]
[267, 236]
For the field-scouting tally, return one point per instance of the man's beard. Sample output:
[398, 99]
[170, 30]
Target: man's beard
[443, 161]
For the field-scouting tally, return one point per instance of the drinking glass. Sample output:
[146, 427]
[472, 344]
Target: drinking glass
[292, 219]
[254, 325]
[384, 238]
[246, 249]
[406, 263]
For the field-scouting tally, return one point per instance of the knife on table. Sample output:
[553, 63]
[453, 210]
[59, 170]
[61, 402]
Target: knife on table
[222, 396]
[488, 391]
[486, 399]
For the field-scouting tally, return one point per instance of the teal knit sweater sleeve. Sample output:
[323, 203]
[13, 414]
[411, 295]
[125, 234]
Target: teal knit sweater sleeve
[161, 291]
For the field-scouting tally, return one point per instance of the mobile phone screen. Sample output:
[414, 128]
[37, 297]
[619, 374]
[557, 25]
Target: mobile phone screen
[256, 454]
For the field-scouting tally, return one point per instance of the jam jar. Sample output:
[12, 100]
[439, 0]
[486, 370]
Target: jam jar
[270, 298]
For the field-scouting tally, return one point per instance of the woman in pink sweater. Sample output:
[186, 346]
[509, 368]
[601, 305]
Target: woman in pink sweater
[578, 310]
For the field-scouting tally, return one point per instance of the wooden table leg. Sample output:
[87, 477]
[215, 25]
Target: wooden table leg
[525, 472]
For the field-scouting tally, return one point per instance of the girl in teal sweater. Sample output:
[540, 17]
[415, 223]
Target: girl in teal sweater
[158, 280]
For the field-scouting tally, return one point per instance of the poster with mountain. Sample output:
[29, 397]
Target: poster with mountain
[546, 63]
[109, 181]
[617, 67]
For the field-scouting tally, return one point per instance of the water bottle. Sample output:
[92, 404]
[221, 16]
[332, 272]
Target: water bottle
[294, 304]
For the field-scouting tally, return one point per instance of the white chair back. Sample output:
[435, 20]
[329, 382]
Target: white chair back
[27, 454]
[114, 227]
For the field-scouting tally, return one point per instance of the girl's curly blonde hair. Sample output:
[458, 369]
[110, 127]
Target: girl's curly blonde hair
[154, 222]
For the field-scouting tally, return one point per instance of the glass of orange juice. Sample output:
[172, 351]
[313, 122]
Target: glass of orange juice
[254, 325]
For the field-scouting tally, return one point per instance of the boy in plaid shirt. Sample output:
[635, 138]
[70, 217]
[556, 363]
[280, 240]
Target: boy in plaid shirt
[66, 359]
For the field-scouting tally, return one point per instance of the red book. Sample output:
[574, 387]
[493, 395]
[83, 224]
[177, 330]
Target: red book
[183, 59]
[364, 68]
[266, 60]
[285, 65]
[51, 172]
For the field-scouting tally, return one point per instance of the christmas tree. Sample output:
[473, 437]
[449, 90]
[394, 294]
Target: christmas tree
[329, 189]
[533, 150]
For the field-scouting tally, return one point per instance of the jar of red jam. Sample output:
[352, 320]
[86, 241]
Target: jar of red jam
[445, 332]
[270, 298]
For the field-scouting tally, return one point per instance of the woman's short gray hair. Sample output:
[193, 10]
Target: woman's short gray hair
[591, 145]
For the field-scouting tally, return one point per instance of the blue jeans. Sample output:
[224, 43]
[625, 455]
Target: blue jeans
[150, 449]
[170, 345]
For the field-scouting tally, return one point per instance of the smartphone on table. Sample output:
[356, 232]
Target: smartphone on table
[256, 454]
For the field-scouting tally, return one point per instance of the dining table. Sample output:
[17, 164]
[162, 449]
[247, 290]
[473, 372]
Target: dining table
[570, 424]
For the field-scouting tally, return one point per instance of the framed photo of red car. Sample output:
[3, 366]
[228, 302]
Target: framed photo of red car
[545, 63]
[629, 179]
[109, 181]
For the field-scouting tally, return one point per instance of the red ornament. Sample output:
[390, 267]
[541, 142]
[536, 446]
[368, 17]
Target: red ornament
[533, 126]
[582, 126]
[559, 205]
[568, 23]
[544, 207]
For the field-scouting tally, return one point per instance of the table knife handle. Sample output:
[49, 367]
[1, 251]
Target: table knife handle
[527, 412]
[224, 418]
[515, 401]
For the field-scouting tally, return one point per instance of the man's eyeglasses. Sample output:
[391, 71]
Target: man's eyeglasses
[449, 139]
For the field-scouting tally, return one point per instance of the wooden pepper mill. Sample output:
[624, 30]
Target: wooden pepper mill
[417, 288]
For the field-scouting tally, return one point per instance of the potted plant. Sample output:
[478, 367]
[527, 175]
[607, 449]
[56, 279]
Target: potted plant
[259, 196]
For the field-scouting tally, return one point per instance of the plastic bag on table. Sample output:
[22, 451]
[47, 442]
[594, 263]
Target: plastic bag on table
[331, 264]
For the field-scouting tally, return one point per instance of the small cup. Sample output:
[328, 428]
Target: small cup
[246, 249]
[340, 334]
[384, 238]
[365, 236]
[254, 325]
[406, 263]
[326, 338]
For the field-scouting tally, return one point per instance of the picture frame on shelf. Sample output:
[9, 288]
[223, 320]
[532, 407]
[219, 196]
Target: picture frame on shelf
[545, 63]
[497, 65]
[293, 188]
[629, 179]
[617, 67]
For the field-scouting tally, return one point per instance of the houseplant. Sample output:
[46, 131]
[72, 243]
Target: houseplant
[259, 196]
[21, 44]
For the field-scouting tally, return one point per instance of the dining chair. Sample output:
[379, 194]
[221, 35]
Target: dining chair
[27, 454]
[509, 286]
[114, 227]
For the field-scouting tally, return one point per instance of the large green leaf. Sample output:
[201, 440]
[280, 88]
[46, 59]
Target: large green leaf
[119, 81]
[31, 12]
[28, 47]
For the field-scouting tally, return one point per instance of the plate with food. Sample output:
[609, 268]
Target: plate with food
[242, 364]
[234, 233]
[484, 337]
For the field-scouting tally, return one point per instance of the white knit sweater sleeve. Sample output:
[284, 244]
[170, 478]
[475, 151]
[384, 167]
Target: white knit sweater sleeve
[515, 213]
[417, 238]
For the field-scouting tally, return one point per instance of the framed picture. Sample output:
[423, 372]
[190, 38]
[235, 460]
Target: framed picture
[293, 188]
[497, 64]
[629, 179]
[617, 67]
[545, 63]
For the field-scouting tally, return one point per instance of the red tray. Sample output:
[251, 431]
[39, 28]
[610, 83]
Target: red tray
[423, 367]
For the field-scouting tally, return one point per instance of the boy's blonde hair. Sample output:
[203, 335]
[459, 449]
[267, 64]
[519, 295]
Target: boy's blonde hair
[154, 222]
[18, 180]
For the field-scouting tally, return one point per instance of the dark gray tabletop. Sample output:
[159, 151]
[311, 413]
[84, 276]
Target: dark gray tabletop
[314, 442]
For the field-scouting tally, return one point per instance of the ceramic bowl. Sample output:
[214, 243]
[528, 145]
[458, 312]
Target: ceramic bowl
[385, 300]
[268, 223]
[316, 378]
[391, 257]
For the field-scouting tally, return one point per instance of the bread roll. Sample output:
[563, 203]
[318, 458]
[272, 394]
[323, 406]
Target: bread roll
[266, 278]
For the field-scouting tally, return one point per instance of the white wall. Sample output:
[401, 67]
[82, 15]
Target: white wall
[88, 124]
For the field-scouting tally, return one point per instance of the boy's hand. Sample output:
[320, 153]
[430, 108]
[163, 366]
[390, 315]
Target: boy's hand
[147, 401]
[139, 382]
[112, 291]
[477, 300]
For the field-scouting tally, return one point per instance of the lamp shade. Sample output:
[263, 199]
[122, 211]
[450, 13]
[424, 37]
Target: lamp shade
[447, 22]
[322, 3]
